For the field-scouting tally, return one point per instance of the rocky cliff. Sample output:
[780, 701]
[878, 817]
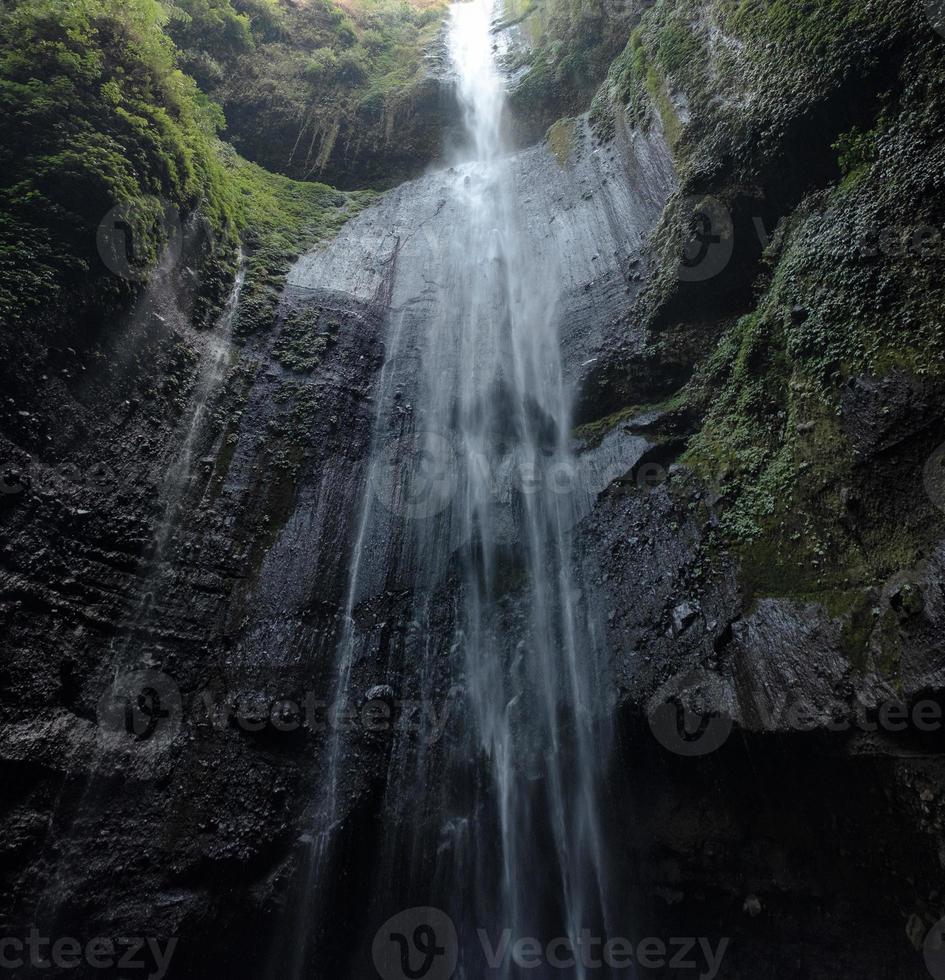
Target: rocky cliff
[751, 214]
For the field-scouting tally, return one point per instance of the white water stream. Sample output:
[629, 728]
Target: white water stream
[501, 824]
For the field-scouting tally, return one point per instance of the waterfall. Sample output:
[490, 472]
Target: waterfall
[533, 671]
[494, 815]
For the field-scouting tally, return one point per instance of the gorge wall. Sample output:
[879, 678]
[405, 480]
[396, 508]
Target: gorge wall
[751, 213]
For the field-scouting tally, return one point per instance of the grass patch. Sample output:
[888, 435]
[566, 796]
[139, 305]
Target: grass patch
[560, 138]
[282, 218]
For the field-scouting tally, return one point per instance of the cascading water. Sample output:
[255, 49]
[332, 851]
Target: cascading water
[139, 640]
[470, 497]
[533, 674]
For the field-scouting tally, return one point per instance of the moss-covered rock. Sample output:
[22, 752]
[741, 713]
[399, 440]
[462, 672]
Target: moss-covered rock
[302, 341]
[99, 122]
[808, 141]
[343, 93]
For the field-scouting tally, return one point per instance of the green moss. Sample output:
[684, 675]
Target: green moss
[656, 89]
[96, 115]
[856, 151]
[561, 139]
[678, 46]
[665, 58]
[301, 344]
[889, 645]
[622, 91]
[572, 45]
[809, 30]
[849, 292]
[852, 282]
[282, 218]
[592, 433]
[314, 72]
[227, 420]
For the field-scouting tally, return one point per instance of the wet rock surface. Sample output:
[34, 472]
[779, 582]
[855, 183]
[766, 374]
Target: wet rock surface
[204, 550]
[134, 540]
[380, 141]
[229, 577]
[782, 752]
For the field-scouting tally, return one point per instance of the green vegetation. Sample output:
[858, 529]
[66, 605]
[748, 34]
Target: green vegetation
[736, 65]
[827, 118]
[282, 218]
[301, 345]
[561, 139]
[99, 115]
[96, 114]
[856, 151]
[568, 46]
[663, 56]
[299, 81]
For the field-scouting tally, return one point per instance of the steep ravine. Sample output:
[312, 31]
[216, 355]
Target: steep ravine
[817, 851]
[244, 609]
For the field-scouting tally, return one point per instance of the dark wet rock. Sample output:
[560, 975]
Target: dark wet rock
[811, 757]
[684, 615]
[124, 556]
[882, 413]
[907, 601]
[800, 314]
[375, 145]
[380, 692]
[246, 594]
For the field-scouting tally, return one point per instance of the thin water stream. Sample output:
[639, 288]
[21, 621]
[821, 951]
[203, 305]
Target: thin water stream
[132, 649]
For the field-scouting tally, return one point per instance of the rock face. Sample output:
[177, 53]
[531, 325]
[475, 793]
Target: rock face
[149, 497]
[186, 523]
[187, 526]
[380, 141]
[377, 145]
[761, 746]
